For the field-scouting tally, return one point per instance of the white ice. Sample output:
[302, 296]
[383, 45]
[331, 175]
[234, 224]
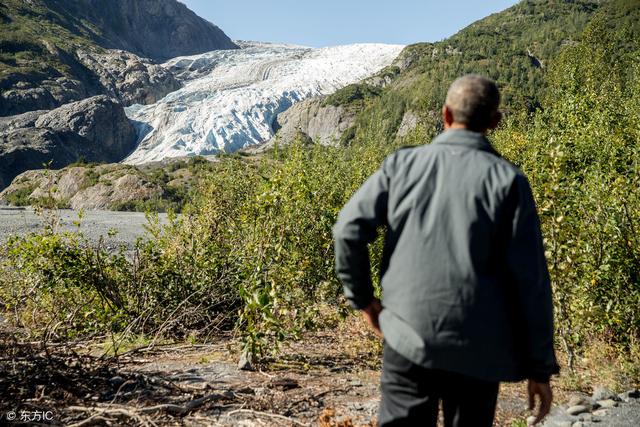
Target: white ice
[231, 97]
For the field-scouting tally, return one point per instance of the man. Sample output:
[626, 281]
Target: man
[466, 292]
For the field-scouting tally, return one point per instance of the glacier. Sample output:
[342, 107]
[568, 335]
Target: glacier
[230, 98]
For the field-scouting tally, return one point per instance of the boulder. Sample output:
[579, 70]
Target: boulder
[323, 124]
[95, 129]
[109, 194]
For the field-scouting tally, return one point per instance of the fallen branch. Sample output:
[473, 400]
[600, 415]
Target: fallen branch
[318, 395]
[266, 414]
[109, 412]
[92, 420]
[182, 409]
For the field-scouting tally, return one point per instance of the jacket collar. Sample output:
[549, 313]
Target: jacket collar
[467, 138]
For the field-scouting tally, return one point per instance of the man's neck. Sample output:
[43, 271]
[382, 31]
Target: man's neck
[455, 125]
[461, 126]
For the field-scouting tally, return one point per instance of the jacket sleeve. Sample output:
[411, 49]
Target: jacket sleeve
[528, 266]
[354, 230]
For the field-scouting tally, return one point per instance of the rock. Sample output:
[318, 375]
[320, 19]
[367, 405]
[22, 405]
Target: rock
[31, 148]
[607, 403]
[579, 399]
[530, 420]
[71, 181]
[99, 121]
[283, 384]
[324, 124]
[585, 417]
[409, 123]
[68, 56]
[246, 362]
[602, 393]
[600, 413]
[112, 192]
[629, 395]
[41, 94]
[95, 129]
[114, 186]
[578, 424]
[559, 416]
[20, 121]
[128, 77]
[577, 409]
[28, 90]
[115, 73]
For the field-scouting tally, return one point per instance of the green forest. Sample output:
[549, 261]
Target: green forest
[251, 252]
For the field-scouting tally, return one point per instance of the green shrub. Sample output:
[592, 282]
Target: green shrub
[20, 197]
[582, 154]
[351, 94]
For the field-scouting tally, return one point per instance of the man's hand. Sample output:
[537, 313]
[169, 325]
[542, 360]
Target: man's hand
[543, 390]
[371, 313]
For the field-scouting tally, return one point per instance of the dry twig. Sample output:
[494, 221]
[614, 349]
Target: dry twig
[266, 414]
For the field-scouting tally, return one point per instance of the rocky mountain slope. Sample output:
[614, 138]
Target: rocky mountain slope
[156, 29]
[129, 78]
[57, 51]
[95, 129]
[230, 98]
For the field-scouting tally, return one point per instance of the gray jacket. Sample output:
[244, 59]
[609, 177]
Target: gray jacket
[464, 277]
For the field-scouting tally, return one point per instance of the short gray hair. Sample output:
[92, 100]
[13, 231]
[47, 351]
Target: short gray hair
[473, 100]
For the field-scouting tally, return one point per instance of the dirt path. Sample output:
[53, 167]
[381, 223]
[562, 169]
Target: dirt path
[330, 378]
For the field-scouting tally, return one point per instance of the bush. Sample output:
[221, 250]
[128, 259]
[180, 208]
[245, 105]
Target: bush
[20, 197]
[582, 154]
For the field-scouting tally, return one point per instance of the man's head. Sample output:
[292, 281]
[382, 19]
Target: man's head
[472, 103]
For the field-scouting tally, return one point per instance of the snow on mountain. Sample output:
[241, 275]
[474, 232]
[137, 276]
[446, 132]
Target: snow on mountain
[231, 97]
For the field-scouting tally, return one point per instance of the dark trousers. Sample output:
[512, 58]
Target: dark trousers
[411, 395]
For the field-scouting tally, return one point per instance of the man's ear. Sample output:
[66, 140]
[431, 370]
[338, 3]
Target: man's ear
[496, 120]
[447, 117]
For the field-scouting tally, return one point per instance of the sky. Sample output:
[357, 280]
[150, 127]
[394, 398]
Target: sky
[321, 23]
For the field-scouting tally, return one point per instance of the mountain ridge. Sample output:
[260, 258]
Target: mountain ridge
[155, 29]
[48, 49]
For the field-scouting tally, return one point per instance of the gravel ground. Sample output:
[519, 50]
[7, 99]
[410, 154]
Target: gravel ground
[603, 408]
[129, 225]
[625, 415]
